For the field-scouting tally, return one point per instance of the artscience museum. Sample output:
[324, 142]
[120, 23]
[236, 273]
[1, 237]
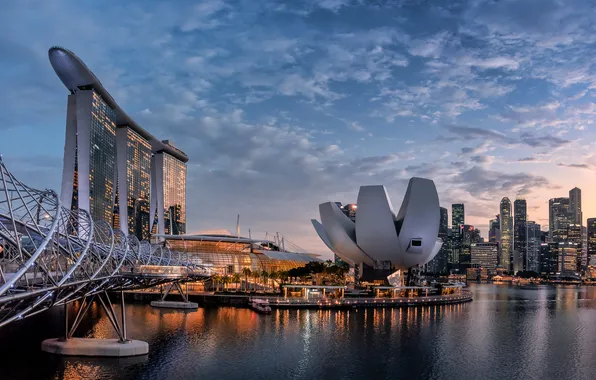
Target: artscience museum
[377, 237]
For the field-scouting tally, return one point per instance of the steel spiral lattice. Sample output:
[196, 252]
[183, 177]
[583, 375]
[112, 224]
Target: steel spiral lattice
[50, 255]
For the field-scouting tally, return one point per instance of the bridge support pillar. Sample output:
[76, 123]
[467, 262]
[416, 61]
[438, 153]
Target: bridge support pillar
[120, 347]
[184, 304]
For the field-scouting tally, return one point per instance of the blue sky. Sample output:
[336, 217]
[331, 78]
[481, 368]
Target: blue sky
[284, 105]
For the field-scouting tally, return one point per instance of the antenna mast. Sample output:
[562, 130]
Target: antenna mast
[238, 226]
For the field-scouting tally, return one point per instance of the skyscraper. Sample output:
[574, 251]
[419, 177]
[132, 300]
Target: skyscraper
[89, 155]
[168, 192]
[558, 218]
[549, 253]
[520, 217]
[457, 222]
[575, 206]
[107, 156]
[439, 263]
[506, 234]
[591, 240]
[134, 179]
[494, 232]
[567, 257]
[533, 243]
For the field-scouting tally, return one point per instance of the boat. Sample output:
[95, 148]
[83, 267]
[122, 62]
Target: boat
[260, 305]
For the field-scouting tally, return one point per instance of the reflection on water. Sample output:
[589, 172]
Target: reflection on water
[536, 332]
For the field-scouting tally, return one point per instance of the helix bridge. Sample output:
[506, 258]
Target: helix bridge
[52, 256]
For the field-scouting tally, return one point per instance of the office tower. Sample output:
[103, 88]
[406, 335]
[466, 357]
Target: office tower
[558, 218]
[549, 253]
[575, 206]
[469, 236]
[485, 255]
[168, 192]
[520, 216]
[567, 257]
[439, 263]
[107, 155]
[494, 232]
[533, 243]
[574, 235]
[506, 229]
[457, 222]
[591, 246]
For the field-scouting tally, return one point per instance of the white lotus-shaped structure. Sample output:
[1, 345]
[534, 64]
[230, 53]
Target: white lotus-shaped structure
[406, 239]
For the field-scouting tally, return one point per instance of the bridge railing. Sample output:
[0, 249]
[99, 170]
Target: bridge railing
[50, 255]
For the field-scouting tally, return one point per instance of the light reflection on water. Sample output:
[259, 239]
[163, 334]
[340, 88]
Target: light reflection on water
[536, 332]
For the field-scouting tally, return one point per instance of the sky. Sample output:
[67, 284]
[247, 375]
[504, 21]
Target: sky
[284, 105]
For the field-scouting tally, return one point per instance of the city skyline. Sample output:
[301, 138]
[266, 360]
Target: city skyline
[312, 104]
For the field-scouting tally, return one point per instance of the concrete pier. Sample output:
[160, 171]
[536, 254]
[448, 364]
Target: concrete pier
[175, 305]
[94, 347]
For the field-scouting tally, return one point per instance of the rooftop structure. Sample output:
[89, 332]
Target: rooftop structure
[113, 168]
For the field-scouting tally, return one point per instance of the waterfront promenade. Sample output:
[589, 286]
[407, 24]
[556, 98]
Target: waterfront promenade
[280, 302]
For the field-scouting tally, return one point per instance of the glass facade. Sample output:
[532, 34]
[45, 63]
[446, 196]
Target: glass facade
[506, 230]
[102, 160]
[485, 255]
[520, 217]
[174, 191]
[138, 181]
[558, 218]
[567, 261]
[230, 258]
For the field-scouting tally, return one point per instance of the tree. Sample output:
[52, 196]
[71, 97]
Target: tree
[226, 280]
[236, 279]
[216, 279]
[265, 276]
[246, 272]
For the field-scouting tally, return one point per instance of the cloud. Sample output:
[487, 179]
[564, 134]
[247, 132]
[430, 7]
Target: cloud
[525, 138]
[575, 166]
[488, 183]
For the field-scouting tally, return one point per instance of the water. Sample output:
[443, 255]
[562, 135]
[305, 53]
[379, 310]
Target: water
[537, 332]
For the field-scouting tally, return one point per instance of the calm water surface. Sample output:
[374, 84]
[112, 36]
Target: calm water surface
[537, 332]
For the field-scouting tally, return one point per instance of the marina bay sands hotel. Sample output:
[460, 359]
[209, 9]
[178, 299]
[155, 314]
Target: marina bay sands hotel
[113, 168]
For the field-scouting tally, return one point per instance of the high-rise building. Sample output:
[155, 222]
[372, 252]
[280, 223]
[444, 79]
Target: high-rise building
[457, 222]
[494, 232]
[168, 193]
[439, 263]
[549, 254]
[469, 235]
[134, 182]
[506, 234]
[533, 243]
[89, 155]
[591, 246]
[558, 218]
[107, 156]
[575, 206]
[520, 216]
[485, 255]
[567, 257]
[574, 235]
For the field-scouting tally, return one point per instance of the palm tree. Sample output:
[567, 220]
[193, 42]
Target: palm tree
[275, 275]
[226, 280]
[216, 279]
[236, 279]
[246, 272]
[265, 276]
[256, 275]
